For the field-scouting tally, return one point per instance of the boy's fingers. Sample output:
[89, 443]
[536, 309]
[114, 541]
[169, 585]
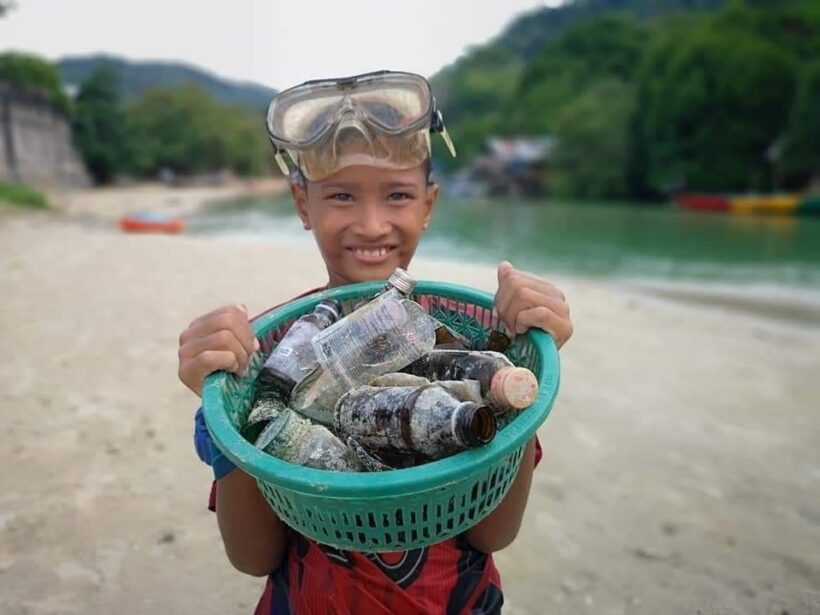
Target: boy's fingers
[193, 372]
[544, 318]
[519, 295]
[231, 320]
[221, 340]
[235, 310]
[504, 267]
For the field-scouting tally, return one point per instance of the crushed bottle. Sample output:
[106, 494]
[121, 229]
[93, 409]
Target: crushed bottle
[297, 440]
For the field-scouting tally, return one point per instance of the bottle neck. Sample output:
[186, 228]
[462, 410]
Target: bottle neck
[473, 424]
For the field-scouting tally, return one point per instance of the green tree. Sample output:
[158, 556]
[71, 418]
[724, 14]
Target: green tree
[34, 75]
[184, 129]
[99, 125]
[711, 106]
[592, 151]
[801, 147]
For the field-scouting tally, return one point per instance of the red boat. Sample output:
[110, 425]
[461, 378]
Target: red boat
[151, 223]
[703, 202]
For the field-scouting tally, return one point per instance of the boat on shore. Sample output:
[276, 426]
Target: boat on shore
[768, 204]
[151, 223]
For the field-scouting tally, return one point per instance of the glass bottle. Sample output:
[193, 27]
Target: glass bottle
[504, 386]
[428, 421]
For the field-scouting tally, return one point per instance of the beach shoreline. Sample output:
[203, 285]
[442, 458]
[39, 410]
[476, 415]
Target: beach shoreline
[680, 470]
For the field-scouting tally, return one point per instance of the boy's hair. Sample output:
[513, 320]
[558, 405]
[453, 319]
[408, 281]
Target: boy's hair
[297, 178]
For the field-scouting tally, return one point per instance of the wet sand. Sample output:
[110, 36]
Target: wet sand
[681, 469]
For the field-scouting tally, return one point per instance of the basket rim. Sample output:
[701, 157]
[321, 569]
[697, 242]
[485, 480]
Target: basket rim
[427, 477]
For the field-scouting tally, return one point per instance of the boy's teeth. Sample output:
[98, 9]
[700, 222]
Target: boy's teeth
[372, 253]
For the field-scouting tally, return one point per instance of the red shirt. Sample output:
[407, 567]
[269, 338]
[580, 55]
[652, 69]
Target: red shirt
[449, 577]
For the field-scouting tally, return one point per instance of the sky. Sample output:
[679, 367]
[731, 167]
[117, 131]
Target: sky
[271, 42]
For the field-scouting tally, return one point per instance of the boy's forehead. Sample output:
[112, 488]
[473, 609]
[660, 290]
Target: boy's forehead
[365, 175]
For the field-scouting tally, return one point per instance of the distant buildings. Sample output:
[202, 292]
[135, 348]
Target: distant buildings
[509, 166]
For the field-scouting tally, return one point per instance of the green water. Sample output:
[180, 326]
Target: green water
[612, 241]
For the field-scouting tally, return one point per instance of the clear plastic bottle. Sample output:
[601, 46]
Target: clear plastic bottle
[293, 358]
[504, 386]
[381, 337]
[293, 438]
[427, 421]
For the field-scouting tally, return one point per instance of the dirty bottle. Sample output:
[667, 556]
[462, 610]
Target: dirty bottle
[297, 440]
[427, 422]
[504, 386]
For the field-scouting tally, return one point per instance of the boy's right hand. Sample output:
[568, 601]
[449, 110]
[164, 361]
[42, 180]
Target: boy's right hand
[222, 339]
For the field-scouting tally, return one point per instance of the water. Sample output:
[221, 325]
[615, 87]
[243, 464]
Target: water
[596, 240]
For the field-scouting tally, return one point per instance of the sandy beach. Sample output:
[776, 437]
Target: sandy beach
[681, 472]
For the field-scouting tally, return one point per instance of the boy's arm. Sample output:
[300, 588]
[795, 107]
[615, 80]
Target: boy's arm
[501, 527]
[523, 300]
[255, 538]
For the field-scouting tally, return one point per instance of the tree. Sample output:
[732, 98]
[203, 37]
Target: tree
[99, 125]
[801, 147]
[34, 75]
[592, 148]
[711, 106]
[184, 129]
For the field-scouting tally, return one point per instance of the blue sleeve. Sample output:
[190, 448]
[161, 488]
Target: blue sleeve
[207, 450]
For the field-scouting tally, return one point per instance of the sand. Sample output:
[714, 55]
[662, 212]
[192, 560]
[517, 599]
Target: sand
[682, 459]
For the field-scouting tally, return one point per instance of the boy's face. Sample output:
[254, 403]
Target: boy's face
[367, 220]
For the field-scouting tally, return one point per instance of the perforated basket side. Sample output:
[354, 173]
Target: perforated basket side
[391, 524]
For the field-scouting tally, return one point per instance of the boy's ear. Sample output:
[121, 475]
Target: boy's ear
[430, 203]
[300, 201]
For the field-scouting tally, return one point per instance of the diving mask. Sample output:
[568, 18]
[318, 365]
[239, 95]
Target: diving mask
[379, 119]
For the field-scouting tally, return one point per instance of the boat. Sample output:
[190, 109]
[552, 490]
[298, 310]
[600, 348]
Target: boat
[703, 202]
[769, 204]
[151, 223]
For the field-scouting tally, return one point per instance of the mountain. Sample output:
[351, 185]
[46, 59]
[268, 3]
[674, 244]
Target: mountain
[530, 32]
[136, 77]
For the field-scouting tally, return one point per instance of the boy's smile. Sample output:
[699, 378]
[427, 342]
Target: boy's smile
[367, 220]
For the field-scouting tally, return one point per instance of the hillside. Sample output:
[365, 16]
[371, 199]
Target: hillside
[136, 77]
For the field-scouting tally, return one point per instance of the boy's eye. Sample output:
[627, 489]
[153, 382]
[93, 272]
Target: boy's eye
[399, 196]
[341, 197]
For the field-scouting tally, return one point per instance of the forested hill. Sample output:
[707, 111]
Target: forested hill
[137, 77]
[525, 36]
[645, 97]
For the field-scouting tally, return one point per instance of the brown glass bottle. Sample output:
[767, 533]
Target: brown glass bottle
[428, 422]
[504, 386]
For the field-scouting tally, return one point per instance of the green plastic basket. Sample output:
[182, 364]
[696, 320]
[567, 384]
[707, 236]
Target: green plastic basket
[399, 509]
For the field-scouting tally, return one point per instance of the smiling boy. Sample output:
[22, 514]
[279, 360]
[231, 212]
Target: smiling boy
[362, 149]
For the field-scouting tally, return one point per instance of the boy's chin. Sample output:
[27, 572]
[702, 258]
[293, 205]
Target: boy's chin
[365, 273]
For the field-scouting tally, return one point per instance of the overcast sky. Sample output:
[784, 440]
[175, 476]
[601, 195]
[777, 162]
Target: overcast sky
[268, 41]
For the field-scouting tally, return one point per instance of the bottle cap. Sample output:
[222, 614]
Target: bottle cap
[330, 309]
[513, 388]
[402, 280]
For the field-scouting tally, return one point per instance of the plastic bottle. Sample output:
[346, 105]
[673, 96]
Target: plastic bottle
[447, 339]
[504, 386]
[293, 438]
[293, 358]
[428, 421]
[381, 337]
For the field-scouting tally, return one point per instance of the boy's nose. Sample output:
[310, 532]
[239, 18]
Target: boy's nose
[372, 223]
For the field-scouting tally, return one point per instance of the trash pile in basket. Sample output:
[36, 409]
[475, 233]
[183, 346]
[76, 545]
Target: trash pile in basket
[385, 387]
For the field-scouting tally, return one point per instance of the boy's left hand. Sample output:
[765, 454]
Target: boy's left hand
[524, 300]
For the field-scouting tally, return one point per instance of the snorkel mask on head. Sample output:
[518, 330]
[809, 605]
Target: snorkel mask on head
[379, 119]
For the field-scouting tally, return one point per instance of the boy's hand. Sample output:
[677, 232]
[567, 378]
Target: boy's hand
[524, 300]
[222, 339]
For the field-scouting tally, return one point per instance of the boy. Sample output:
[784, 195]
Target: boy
[361, 147]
